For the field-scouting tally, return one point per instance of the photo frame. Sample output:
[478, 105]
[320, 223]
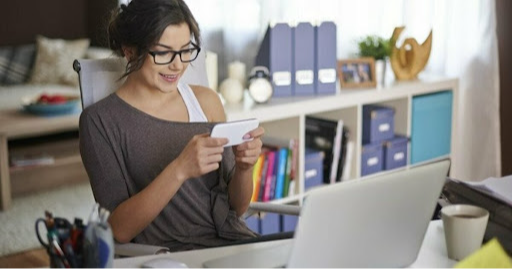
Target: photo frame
[357, 73]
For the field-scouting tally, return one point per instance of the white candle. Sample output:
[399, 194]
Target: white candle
[236, 70]
[212, 70]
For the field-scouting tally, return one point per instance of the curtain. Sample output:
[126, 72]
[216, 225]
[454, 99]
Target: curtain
[464, 46]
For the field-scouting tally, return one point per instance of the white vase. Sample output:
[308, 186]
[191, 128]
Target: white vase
[380, 72]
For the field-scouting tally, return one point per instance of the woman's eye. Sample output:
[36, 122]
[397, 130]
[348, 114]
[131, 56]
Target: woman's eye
[162, 53]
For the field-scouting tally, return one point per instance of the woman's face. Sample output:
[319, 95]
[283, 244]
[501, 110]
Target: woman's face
[165, 77]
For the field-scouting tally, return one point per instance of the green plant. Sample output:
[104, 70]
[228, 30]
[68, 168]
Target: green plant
[374, 46]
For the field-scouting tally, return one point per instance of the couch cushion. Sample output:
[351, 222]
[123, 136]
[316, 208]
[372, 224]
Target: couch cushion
[20, 65]
[54, 60]
[5, 59]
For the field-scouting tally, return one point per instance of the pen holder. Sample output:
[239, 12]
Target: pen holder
[76, 245]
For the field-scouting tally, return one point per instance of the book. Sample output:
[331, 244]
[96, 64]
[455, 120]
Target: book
[325, 135]
[281, 170]
[268, 178]
[263, 176]
[256, 176]
[348, 161]
[31, 160]
[287, 178]
[343, 154]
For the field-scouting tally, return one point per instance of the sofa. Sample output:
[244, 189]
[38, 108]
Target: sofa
[43, 67]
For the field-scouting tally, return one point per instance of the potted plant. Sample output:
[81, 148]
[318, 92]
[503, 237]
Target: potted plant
[378, 48]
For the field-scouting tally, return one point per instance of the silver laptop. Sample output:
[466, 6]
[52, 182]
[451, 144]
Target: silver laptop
[374, 222]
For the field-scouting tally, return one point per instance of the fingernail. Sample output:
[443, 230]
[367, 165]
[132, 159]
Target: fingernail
[247, 136]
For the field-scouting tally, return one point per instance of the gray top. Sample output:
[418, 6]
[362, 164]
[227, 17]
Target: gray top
[123, 149]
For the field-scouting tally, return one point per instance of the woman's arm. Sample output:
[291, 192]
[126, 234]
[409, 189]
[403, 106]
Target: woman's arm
[240, 186]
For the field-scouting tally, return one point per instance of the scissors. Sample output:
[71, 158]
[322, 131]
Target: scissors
[55, 227]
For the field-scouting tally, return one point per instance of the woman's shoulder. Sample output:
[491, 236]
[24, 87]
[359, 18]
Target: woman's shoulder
[101, 109]
[210, 103]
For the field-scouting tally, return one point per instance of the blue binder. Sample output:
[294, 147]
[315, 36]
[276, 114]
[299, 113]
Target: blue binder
[303, 67]
[325, 58]
[276, 54]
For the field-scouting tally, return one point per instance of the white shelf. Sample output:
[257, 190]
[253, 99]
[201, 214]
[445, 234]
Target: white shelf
[285, 117]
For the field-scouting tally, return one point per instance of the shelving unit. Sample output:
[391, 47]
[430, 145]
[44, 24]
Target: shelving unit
[285, 117]
[23, 133]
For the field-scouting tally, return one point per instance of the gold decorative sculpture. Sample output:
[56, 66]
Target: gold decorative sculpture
[408, 60]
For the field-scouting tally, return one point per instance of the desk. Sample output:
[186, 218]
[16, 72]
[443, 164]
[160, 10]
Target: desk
[432, 252]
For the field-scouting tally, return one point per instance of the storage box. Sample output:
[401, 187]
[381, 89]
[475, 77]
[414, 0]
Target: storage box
[431, 128]
[372, 158]
[270, 223]
[395, 152]
[378, 123]
[253, 222]
[313, 168]
[289, 223]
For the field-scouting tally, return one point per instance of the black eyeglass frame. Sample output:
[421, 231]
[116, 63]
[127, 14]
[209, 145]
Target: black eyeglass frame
[195, 47]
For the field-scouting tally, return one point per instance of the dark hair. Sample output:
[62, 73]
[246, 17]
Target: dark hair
[140, 25]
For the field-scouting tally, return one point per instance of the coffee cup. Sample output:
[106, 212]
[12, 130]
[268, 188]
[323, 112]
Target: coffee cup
[464, 229]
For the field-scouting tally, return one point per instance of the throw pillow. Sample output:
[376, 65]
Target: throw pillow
[54, 60]
[5, 59]
[20, 65]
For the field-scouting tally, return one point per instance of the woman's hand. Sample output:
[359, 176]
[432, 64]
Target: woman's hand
[200, 156]
[246, 154]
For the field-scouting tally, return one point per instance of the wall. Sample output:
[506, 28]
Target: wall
[504, 21]
[22, 20]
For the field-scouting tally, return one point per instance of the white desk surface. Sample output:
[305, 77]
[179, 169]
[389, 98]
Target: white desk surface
[432, 253]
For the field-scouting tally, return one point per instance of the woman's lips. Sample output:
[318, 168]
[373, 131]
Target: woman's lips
[169, 78]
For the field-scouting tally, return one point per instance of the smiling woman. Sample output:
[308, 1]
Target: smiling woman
[147, 148]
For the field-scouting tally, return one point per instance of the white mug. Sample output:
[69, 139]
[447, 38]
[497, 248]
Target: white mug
[464, 229]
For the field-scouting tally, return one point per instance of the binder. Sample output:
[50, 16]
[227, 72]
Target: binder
[325, 58]
[303, 67]
[275, 53]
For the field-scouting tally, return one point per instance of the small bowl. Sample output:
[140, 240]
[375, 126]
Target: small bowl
[31, 105]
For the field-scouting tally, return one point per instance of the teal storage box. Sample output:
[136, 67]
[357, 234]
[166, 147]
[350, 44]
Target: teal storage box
[431, 126]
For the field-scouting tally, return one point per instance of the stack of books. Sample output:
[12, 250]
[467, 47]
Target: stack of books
[275, 170]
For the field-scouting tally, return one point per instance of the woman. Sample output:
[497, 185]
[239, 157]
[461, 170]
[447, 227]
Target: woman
[146, 148]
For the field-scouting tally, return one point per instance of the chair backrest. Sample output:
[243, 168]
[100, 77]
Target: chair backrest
[99, 78]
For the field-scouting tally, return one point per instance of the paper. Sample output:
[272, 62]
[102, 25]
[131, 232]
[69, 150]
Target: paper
[491, 255]
[500, 188]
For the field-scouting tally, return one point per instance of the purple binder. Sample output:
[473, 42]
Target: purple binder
[325, 56]
[276, 54]
[303, 67]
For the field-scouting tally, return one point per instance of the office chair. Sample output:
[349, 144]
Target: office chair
[100, 78]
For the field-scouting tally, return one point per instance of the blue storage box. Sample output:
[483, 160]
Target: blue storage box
[395, 152]
[378, 123]
[372, 158]
[253, 222]
[270, 223]
[431, 127]
[313, 168]
[289, 223]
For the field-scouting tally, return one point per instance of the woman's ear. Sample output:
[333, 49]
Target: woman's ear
[129, 53]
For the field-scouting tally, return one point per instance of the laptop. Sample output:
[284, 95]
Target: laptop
[373, 222]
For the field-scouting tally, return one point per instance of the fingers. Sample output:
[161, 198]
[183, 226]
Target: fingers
[256, 133]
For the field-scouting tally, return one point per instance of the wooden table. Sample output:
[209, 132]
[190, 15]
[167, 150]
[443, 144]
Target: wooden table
[18, 124]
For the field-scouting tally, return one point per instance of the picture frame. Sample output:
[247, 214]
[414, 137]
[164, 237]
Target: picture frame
[357, 73]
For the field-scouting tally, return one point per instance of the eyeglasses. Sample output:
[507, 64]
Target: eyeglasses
[167, 56]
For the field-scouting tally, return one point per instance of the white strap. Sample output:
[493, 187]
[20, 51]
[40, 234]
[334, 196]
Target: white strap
[195, 112]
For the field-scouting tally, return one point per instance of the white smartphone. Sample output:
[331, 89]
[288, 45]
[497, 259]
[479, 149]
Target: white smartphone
[234, 131]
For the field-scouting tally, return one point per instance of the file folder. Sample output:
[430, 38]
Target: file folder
[275, 53]
[303, 68]
[325, 58]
